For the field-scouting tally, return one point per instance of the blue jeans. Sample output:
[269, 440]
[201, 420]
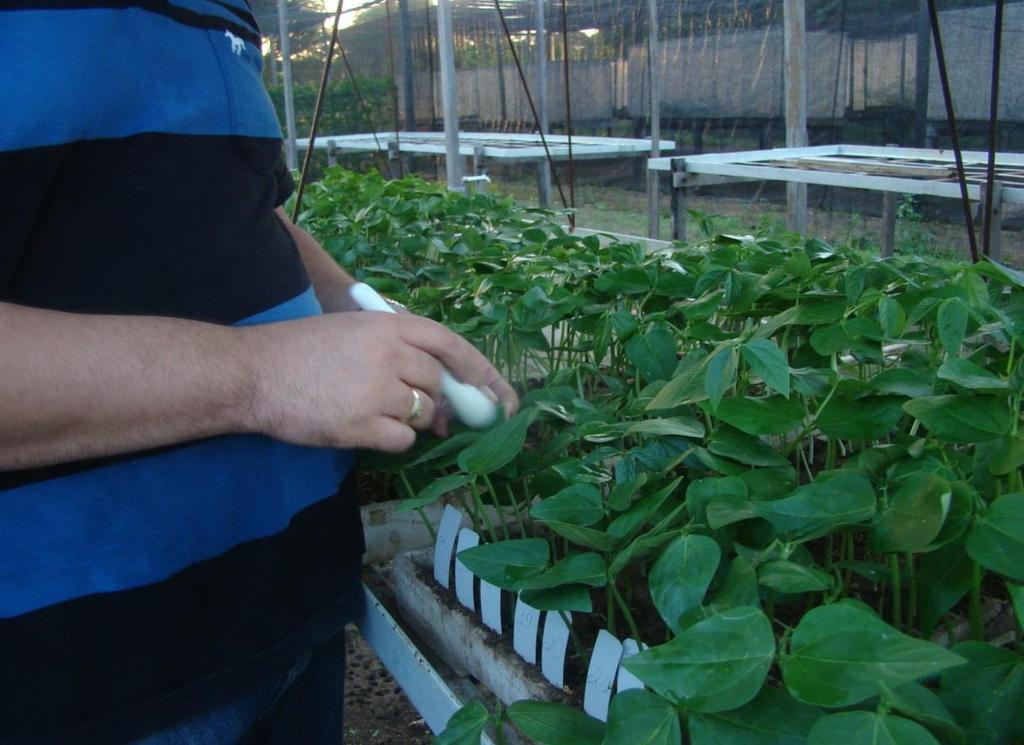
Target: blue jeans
[303, 706]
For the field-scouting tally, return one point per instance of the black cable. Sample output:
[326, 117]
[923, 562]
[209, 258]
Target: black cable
[533, 108]
[993, 128]
[568, 117]
[933, 17]
[317, 110]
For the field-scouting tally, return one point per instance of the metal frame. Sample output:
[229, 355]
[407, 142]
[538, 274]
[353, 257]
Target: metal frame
[782, 164]
[514, 147]
[427, 690]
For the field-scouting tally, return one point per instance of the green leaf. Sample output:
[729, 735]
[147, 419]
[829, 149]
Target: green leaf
[465, 726]
[788, 576]
[972, 377]
[506, 562]
[720, 374]
[951, 324]
[840, 654]
[773, 718]
[1004, 273]
[622, 493]
[567, 597]
[902, 381]
[997, 539]
[579, 504]
[677, 426]
[828, 340]
[1016, 593]
[868, 728]
[628, 281]
[985, 694]
[555, 724]
[589, 537]
[581, 569]
[701, 493]
[686, 385]
[499, 447]
[739, 587]
[828, 502]
[962, 418]
[891, 317]
[642, 547]
[435, 490]
[719, 663]
[681, 576]
[912, 517]
[925, 707]
[638, 717]
[774, 415]
[943, 577]
[626, 524]
[766, 359]
[446, 448]
[744, 448]
[653, 353]
[1008, 455]
[860, 419]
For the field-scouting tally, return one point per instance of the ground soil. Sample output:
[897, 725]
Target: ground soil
[376, 710]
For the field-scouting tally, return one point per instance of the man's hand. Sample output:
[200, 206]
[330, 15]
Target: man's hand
[347, 379]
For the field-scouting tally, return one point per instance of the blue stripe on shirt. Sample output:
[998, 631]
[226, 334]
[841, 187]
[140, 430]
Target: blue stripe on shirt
[139, 521]
[71, 75]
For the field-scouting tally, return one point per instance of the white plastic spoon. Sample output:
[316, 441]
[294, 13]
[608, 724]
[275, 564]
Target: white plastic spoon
[471, 405]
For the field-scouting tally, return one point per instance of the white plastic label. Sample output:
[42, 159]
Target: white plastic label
[447, 531]
[552, 647]
[626, 680]
[604, 662]
[524, 631]
[490, 605]
[463, 577]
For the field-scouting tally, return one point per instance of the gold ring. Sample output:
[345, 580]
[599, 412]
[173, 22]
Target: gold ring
[417, 406]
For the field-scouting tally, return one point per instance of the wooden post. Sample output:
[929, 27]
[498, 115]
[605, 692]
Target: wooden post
[332, 153]
[543, 169]
[796, 106]
[454, 169]
[888, 223]
[921, 72]
[290, 155]
[995, 247]
[653, 59]
[678, 199]
[405, 39]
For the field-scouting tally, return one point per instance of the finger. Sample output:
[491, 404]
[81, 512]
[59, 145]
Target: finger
[419, 369]
[442, 414]
[389, 435]
[413, 407]
[460, 357]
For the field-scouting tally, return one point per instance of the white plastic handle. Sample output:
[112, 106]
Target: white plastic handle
[471, 405]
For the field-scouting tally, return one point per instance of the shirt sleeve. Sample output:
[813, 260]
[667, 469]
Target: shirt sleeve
[285, 183]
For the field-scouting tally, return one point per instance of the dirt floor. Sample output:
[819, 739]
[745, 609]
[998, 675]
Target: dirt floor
[376, 710]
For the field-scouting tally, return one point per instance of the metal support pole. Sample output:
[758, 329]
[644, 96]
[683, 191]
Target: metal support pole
[922, 70]
[995, 246]
[290, 154]
[543, 169]
[405, 38]
[679, 199]
[499, 48]
[796, 106]
[888, 223]
[653, 60]
[454, 169]
[332, 154]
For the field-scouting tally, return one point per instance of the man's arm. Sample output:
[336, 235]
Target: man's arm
[75, 386]
[330, 281]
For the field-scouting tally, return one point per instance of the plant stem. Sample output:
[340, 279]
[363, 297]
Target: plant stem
[581, 651]
[625, 611]
[494, 493]
[894, 581]
[911, 590]
[515, 509]
[483, 511]
[419, 510]
[610, 621]
[974, 610]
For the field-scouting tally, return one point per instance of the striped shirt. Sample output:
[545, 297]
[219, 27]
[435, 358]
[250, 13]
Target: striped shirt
[139, 170]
